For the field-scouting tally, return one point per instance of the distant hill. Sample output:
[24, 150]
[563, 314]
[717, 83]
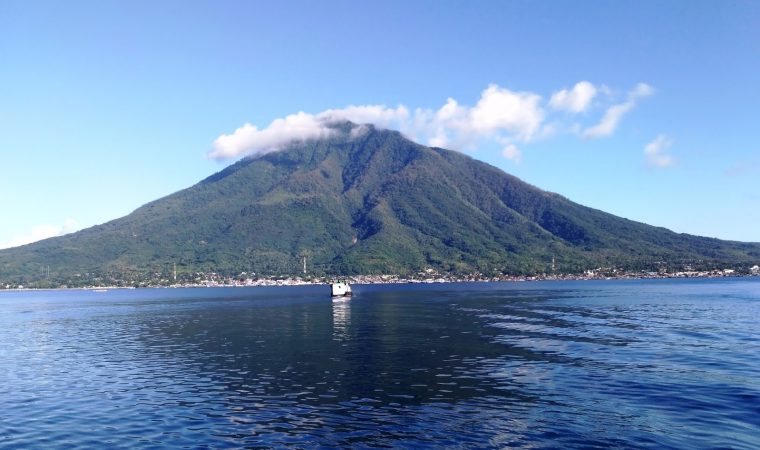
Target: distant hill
[372, 203]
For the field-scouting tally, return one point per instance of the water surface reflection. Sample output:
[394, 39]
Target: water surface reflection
[506, 365]
[341, 308]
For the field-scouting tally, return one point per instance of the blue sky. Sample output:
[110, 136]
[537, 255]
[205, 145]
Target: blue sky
[105, 106]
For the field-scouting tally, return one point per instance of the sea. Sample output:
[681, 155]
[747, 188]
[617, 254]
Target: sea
[551, 364]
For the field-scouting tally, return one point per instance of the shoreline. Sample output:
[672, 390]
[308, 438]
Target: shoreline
[382, 279]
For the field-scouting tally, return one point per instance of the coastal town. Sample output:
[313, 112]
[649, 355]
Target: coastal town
[428, 276]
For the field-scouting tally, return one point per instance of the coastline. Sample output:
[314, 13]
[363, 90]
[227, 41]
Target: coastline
[388, 279]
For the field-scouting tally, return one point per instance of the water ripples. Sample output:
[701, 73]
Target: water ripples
[584, 365]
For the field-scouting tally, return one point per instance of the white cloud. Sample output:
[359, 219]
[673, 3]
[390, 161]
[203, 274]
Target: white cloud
[41, 232]
[575, 100]
[640, 91]
[248, 139]
[501, 109]
[437, 124]
[379, 115]
[498, 112]
[500, 116]
[512, 152]
[359, 131]
[615, 113]
[610, 121]
[655, 152]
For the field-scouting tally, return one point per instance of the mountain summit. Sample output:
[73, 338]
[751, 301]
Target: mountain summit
[363, 200]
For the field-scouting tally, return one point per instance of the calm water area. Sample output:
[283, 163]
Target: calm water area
[577, 364]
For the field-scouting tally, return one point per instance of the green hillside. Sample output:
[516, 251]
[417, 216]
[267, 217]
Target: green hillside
[372, 203]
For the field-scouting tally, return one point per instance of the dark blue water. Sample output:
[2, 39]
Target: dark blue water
[603, 364]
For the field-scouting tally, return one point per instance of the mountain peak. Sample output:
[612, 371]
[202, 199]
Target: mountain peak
[363, 200]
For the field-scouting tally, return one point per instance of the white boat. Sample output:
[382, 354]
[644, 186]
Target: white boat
[341, 289]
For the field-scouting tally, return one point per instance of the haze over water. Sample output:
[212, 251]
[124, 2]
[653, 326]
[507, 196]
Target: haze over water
[629, 364]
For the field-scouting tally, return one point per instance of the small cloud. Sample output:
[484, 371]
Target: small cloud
[575, 100]
[605, 90]
[640, 91]
[500, 109]
[379, 115]
[609, 122]
[655, 152]
[615, 113]
[550, 130]
[498, 114]
[512, 152]
[41, 232]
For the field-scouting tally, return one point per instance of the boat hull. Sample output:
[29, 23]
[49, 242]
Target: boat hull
[340, 290]
[347, 294]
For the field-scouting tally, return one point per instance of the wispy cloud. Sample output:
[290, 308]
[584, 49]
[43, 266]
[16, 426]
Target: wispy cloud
[574, 100]
[502, 116]
[511, 151]
[655, 152]
[615, 113]
[41, 232]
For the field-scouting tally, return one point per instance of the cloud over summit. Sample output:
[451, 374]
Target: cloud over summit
[501, 117]
[249, 139]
